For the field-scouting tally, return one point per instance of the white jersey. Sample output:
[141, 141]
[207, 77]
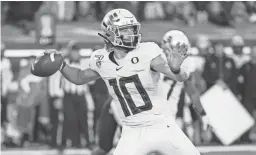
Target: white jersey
[132, 84]
[171, 89]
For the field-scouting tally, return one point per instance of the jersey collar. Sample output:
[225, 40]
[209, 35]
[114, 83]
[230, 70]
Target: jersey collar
[111, 58]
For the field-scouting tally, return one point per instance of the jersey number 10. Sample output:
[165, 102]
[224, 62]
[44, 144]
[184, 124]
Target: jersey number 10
[127, 99]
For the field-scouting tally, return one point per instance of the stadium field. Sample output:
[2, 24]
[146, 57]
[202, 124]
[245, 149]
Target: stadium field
[211, 150]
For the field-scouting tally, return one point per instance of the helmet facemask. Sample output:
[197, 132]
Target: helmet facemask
[126, 36]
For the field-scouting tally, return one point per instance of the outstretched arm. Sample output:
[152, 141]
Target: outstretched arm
[78, 76]
[75, 75]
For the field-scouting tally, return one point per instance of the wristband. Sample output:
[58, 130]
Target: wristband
[175, 71]
[63, 65]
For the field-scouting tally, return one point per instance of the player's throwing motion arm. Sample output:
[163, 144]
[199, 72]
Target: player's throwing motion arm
[78, 76]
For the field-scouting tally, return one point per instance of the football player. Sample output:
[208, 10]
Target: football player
[175, 93]
[170, 89]
[131, 70]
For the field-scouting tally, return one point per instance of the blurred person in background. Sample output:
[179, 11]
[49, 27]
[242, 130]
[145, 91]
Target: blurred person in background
[55, 108]
[204, 46]
[153, 11]
[85, 9]
[75, 125]
[201, 14]
[55, 93]
[217, 15]
[4, 10]
[238, 56]
[219, 67]
[97, 5]
[247, 87]
[6, 80]
[186, 12]
[140, 10]
[251, 9]
[239, 13]
[21, 14]
[237, 45]
[169, 10]
[64, 10]
[32, 106]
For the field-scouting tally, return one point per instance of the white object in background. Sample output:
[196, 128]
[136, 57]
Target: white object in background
[25, 82]
[14, 86]
[23, 62]
[6, 75]
[227, 116]
[61, 11]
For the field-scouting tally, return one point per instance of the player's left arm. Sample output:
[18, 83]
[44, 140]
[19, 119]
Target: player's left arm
[160, 65]
[194, 95]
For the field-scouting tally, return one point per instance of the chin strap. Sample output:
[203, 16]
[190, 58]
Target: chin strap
[109, 42]
[105, 38]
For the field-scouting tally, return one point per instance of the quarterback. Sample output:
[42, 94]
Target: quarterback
[170, 89]
[131, 70]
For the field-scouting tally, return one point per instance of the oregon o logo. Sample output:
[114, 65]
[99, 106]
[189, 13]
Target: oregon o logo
[135, 60]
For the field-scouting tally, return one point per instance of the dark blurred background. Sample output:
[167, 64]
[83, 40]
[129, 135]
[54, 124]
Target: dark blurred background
[34, 110]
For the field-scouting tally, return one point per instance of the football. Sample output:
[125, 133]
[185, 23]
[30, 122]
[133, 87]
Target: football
[46, 64]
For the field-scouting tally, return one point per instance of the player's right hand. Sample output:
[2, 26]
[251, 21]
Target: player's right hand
[53, 51]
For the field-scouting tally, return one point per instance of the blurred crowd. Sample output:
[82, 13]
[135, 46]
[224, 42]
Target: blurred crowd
[223, 13]
[53, 112]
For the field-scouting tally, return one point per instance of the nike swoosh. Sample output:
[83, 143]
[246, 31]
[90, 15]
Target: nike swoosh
[117, 69]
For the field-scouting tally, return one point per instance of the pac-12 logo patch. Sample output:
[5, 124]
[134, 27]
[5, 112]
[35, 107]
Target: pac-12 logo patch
[99, 60]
